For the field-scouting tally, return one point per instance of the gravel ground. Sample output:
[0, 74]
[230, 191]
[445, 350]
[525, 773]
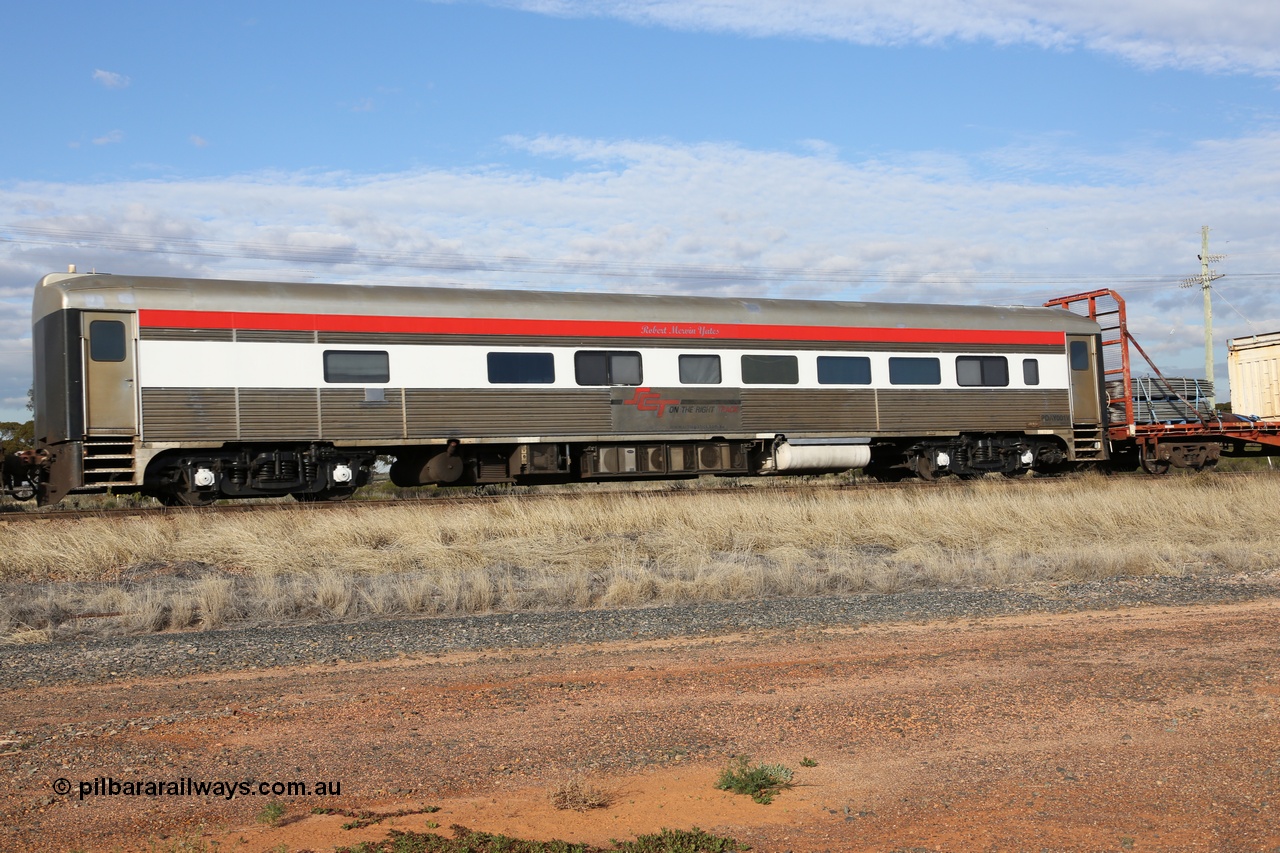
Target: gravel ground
[186, 653]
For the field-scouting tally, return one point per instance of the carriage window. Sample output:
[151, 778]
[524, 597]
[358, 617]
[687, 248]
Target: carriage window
[844, 370]
[106, 340]
[1030, 371]
[770, 370]
[985, 370]
[905, 370]
[700, 370]
[1079, 355]
[607, 368]
[361, 367]
[522, 368]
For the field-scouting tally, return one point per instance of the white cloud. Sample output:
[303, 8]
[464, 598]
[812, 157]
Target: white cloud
[111, 138]
[1239, 36]
[646, 216]
[111, 79]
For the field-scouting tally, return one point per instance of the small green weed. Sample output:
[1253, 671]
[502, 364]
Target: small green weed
[271, 813]
[808, 762]
[760, 781]
[680, 841]
[467, 841]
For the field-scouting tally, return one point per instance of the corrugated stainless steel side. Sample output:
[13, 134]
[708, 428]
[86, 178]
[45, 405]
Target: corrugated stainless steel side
[824, 410]
[346, 414]
[507, 412]
[159, 334]
[972, 410]
[275, 337]
[283, 413]
[188, 414]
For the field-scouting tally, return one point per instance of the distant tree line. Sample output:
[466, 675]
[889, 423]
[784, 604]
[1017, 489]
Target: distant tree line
[15, 436]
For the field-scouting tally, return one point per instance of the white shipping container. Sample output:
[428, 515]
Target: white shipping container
[1253, 366]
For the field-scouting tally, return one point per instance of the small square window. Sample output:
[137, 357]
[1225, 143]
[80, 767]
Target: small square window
[985, 370]
[1030, 371]
[521, 368]
[607, 368]
[357, 367]
[106, 340]
[700, 370]
[770, 370]
[1079, 355]
[844, 370]
[911, 370]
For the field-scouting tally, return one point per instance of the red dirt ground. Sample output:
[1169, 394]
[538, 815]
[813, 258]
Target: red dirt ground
[1143, 729]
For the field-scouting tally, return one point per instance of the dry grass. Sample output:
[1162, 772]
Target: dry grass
[607, 549]
[580, 796]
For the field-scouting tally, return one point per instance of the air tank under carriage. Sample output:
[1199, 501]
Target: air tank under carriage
[194, 390]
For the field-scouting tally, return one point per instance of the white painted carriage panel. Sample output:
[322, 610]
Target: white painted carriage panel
[227, 364]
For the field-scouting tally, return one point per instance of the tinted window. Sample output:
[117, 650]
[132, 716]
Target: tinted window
[106, 340]
[361, 367]
[700, 369]
[770, 370]
[905, 370]
[1030, 371]
[591, 368]
[607, 368]
[844, 370]
[1079, 355]
[988, 370]
[522, 368]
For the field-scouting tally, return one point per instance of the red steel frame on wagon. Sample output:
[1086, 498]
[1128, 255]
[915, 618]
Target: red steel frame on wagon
[1157, 446]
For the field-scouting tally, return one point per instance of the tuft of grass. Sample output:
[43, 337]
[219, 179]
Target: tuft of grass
[580, 797]
[808, 762]
[366, 817]
[759, 781]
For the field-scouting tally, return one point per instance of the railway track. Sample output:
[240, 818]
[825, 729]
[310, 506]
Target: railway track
[12, 513]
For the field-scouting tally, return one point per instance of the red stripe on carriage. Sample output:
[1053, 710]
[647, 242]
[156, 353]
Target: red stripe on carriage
[152, 318]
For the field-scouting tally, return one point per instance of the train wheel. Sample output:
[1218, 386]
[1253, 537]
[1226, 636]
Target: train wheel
[926, 469]
[1152, 466]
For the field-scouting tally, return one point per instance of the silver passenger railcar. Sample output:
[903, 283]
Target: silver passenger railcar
[194, 390]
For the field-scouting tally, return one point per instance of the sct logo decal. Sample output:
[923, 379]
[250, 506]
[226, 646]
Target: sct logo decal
[646, 400]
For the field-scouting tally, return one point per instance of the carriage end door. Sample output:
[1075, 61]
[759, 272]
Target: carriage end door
[110, 389]
[1086, 397]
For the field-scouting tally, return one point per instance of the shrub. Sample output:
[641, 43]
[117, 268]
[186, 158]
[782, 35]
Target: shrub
[760, 781]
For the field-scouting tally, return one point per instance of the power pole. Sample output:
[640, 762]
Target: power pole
[1205, 279]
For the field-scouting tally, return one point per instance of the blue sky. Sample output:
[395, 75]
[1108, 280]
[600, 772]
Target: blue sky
[969, 151]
